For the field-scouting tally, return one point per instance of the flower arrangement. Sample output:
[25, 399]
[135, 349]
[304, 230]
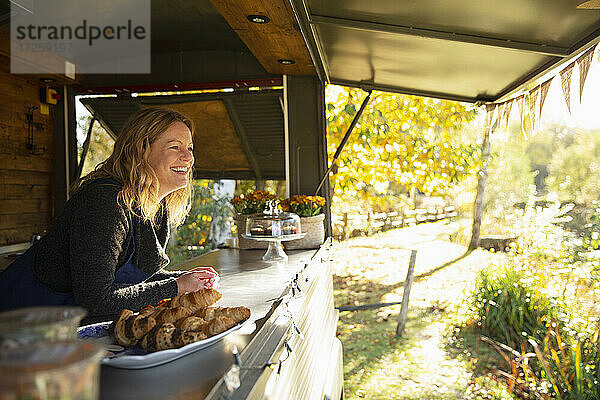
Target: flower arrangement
[304, 206]
[252, 202]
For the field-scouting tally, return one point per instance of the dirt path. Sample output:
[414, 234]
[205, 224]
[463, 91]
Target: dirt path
[371, 270]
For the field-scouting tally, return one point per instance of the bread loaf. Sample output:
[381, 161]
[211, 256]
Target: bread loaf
[159, 338]
[129, 327]
[185, 337]
[142, 325]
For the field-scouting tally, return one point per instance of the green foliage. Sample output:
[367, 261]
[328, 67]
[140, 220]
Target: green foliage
[540, 306]
[245, 186]
[406, 141]
[573, 171]
[101, 144]
[509, 176]
[591, 230]
[572, 370]
[194, 231]
[511, 308]
[192, 237]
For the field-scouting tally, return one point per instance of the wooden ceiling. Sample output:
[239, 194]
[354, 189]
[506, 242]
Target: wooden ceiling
[217, 147]
[282, 34]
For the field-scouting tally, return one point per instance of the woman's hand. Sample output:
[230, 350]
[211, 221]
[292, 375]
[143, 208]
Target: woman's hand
[209, 276]
[196, 279]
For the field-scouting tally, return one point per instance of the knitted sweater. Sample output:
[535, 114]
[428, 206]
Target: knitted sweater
[88, 243]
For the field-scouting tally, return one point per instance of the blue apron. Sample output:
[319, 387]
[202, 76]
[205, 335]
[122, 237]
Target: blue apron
[20, 288]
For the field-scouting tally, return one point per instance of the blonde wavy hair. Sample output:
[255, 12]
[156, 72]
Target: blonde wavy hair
[128, 165]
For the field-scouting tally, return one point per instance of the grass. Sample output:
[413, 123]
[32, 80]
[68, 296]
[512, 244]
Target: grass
[431, 360]
[381, 366]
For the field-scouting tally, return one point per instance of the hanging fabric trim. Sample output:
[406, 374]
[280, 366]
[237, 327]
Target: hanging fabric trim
[489, 115]
[501, 111]
[519, 101]
[506, 115]
[532, 103]
[526, 121]
[584, 63]
[565, 79]
[533, 96]
[544, 87]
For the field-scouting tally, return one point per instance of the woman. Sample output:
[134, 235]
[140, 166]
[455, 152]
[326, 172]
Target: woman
[106, 251]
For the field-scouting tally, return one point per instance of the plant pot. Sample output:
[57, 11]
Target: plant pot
[315, 234]
[246, 244]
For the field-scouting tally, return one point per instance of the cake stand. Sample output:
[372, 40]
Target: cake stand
[275, 251]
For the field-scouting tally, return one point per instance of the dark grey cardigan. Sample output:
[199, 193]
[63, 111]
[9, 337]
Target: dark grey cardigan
[91, 239]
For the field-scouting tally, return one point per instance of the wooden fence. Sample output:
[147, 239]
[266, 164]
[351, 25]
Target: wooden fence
[351, 225]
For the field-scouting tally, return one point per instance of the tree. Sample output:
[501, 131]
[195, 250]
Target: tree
[483, 174]
[399, 141]
[100, 147]
[573, 170]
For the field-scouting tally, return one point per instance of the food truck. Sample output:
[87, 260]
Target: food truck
[267, 63]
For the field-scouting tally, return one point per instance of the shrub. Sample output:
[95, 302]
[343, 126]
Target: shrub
[511, 308]
[539, 307]
[572, 370]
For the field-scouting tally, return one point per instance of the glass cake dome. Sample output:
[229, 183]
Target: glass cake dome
[273, 226]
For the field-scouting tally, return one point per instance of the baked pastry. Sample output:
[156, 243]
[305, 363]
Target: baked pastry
[122, 332]
[167, 336]
[289, 230]
[171, 315]
[148, 310]
[130, 327]
[159, 338]
[196, 300]
[181, 337]
[142, 325]
[218, 325]
[191, 323]
[238, 314]
[177, 322]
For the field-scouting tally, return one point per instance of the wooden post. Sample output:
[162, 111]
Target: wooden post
[345, 228]
[407, 285]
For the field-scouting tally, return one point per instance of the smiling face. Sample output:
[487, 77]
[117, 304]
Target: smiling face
[171, 157]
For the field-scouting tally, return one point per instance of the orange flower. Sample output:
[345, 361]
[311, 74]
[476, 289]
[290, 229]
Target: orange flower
[252, 202]
[304, 206]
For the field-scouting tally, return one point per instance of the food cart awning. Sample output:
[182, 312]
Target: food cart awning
[464, 50]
